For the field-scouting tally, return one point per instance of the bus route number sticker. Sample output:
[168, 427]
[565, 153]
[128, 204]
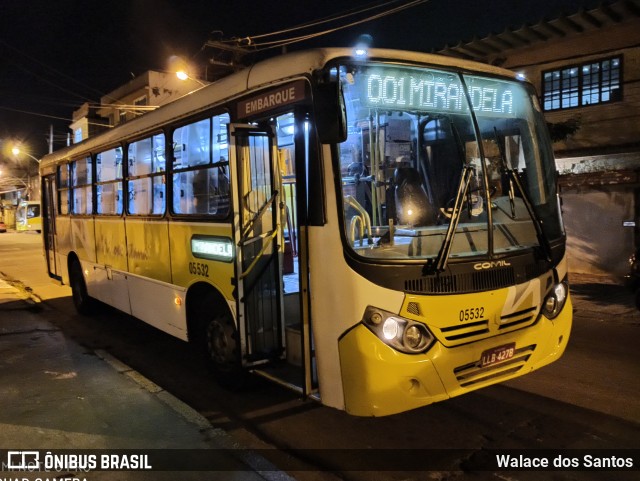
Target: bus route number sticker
[497, 354]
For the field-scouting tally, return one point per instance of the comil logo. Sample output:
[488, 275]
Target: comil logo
[23, 460]
[491, 265]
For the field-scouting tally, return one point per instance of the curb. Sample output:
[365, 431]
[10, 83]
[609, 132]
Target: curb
[186, 411]
[14, 295]
[12, 291]
[256, 462]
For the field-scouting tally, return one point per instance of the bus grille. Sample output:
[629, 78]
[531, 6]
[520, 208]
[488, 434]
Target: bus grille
[474, 331]
[465, 332]
[472, 373]
[460, 283]
[519, 319]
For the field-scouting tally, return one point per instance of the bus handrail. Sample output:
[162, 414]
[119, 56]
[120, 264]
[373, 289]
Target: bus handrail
[267, 243]
[255, 218]
[356, 223]
[366, 220]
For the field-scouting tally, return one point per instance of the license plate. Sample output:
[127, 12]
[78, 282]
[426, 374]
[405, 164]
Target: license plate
[497, 354]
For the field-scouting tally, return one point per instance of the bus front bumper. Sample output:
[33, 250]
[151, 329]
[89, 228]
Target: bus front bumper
[378, 380]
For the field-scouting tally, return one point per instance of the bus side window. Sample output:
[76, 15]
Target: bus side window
[64, 197]
[33, 211]
[81, 184]
[109, 179]
[146, 176]
[193, 143]
[199, 186]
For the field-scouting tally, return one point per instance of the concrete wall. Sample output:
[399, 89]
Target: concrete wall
[597, 242]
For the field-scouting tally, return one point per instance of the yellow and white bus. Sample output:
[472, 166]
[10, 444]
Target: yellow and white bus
[28, 216]
[378, 233]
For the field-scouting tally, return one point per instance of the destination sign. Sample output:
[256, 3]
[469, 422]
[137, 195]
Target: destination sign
[440, 91]
[271, 99]
[210, 247]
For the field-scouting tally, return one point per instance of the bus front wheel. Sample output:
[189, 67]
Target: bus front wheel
[81, 299]
[221, 346]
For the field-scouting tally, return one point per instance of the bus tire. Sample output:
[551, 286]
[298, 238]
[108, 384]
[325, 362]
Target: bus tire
[81, 300]
[221, 345]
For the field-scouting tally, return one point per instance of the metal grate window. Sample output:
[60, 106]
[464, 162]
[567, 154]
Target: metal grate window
[581, 85]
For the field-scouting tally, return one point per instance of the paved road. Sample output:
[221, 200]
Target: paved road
[586, 400]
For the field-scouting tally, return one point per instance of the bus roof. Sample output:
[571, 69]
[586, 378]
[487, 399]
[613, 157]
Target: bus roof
[262, 74]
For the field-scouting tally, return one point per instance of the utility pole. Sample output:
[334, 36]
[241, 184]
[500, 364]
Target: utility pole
[223, 58]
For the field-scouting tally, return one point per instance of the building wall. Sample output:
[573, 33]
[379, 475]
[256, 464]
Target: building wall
[156, 88]
[607, 141]
[597, 241]
[601, 125]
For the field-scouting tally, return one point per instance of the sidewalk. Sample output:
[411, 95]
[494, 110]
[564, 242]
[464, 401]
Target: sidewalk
[57, 395]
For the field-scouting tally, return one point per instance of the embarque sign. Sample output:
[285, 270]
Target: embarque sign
[270, 99]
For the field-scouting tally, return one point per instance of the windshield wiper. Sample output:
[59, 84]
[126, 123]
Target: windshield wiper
[514, 178]
[439, 263]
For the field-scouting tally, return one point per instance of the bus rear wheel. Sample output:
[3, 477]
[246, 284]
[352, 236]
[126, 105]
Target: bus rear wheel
[221, 346]
[81, 299]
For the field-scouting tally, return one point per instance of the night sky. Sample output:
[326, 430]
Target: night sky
[57, 54]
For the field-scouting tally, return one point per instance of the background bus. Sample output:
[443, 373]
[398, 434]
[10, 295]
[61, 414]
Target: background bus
[416, 195]
[28, 216]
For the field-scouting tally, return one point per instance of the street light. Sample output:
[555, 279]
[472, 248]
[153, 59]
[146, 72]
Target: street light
[183, 75]
[16, 151]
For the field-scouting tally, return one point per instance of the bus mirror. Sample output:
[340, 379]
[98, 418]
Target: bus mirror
[330, 113]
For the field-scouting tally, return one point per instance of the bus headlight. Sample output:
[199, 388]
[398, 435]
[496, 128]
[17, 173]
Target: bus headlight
[390, 328]
[402, 334]
[555, 300]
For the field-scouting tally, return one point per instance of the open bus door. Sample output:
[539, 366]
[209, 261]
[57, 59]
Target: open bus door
[258, 235]
[49, 224]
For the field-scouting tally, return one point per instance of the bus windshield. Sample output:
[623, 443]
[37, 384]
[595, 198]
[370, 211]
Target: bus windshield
[418, 158]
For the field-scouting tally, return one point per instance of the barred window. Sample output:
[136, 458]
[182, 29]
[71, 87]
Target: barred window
[64, 193]
[109, 182]
[147, 179]
[590, 83]
[82, 189]
[201, 168]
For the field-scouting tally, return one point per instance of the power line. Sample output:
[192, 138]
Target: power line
[39, 99]
[42, 64]
[50, 82]
[34, 113]
[331, 18]
[260, 46]
[46, 66]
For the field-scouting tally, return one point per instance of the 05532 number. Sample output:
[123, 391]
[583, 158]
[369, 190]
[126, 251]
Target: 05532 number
[471, 314]
[199, 269]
